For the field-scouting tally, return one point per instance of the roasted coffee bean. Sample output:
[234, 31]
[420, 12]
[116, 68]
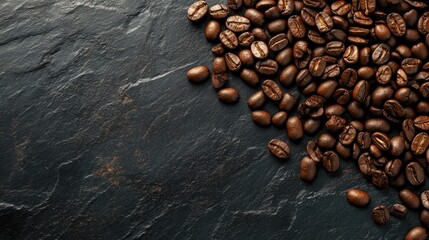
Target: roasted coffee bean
[361, 91]
[262, 118]
[326, 141]
[309, 89]
[416, 4]
[287, 76]
[249, 76]
[288, 102]
[348, 135]
[366, 73]
[377, 124]
[381, 54]
[367, 6]
[198, 74]
[393, 167]
[358, 197]
[409, 198]
[256, 100]
[331, 161]
[342, 96]
[344, 152]
[267, 67]
[420, 143]
[228, 39]
[424, 217]
[411, 65]
[405, 96]
[254, 16]
[246, 57]
[411, 17]
[351, 55]
[357, 125]
[420, 51]
[308, 169]
[340, 22]
[364, 140]
[335, 48]
[393, 110]
[219, 79]
[300, 49]
[277, 26]
[234, 4]
[278, 42]
[424, 90]
[417, 233]
[331, 71]
[313, 151]
[197, 10]
[396, 24]
[232, 62]
[422, 123]
[348, 78]
[228, 95]
[304, 61]
[397, 145]
[219, 11]
[341, 7]
[361, 19]
[317, 66]
[381, 141]
[379, 179]
[404, 51]
[355, 110]
[279, 119]
[312, 126]
[296, 26]
[237, 23]
[286, 7]
[366, 164]
[323, 22]
[365, 55]
[308, 15]
[398, 210]
[315, 3]
[380, 95]
[263, 5]
[218, 49]
[250, 3]
[272, 90]
[212, 30]
[424, 197]
[380, 214]
[401, 78]
[408, 129]
[334, 110]
[294, 128]
[259, 49]
[384, 74]
[279, 148]
[315, 37]
[338, 35]
[415, 173]
[303, 78]
[423, 23]
[284, 57]
[245, 39]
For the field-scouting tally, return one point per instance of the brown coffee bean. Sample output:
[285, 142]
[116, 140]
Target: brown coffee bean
[198, 74]
[312, 126]
[361, 19]
[286, 7]
[397, 145]
[423, 23]
[422, 123]
[308, 16]
[234, 4]
[381, 54]
[379, 179]
[392, 168]
[326, 141]
[228, 95]
[313, 151]
[380, 95]
[288, 102]
[279, 148]
[279, 119]
[377, 124]
[323, 22]
[411, 65]
[331, 71]
[272, 90]
[278, 42]
[341, 8]
[366, 73]
[237, 23]
[267, 67]
[277, 26]
[351, 55]
[317, 66]
[233, 62]
[364, 140]
[296, 26]
[308, 169]
[366, 164]
[342, 96]
[381, 141]
[284, 57]
[254, 16]
[348, 135]
[294, 128]
[250, 77]
[420, 143]
[245, 39]
[409, 198]
[361, 91]
[219, 79]
[380, 214]
[228, 39]
[424, 90]
[335, 48]
[355, 110]
[411, 17]
[408, 129]
[259, 49]
[398, 210]
[315, 37]
[331, 161]
[262, 118]
[393, 110]
[257, 100]
[415, 173]
[348, 78]
[358, 197]
[424, 197]
[424, 217]
[212, 30]
[263, 5]
[197, 10]
[219, 11]
[417, 233]
[218, 49]
[396, 24]
[384, 74]
[382, 32]
[315, 3]
[246, 57]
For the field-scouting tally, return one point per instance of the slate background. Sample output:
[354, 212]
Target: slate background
[102, 137]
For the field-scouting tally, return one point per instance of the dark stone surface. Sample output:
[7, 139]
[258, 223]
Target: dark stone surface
[102, 137]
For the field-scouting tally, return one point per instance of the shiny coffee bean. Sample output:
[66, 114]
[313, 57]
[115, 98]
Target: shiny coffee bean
[296, 26]
[284, 57]
[409, 198]
[277, 26]
[233, 62]
[358, 197]
[234, 4]
[324, 22]
[393, 167]
[384, 74]
[197, 10]
[330, 161]
[261, 118]
[256, 100]
[312, 126]
[279, 148]
[294, 128]
[361, 91]
[393, 110]
[272, 90]
[363, 140]
[245, 39]
[246, 57]
[396, 24]
[228, 95]
[198, 74]
[398, 210]
[313, 151]
[219, 11]
[278, 42]
[279, 119]
[288, 102]
[366, 164]
[326, 141]
[381, 54]
[417, 233]
[308, 169]
[237, 23]
[259, 49]
[380, 214]
[341, 7]
[420, 143]
[377, 124]
[381, 141]
[267, 67]
[228, 39]
[415, 173]
[424, 197]
[351, 55]
[249, 76]
[212, 30]
[218, 49]
[422, 123]
[379, 179]
[361, 19]
[335, 48]
[288, 75]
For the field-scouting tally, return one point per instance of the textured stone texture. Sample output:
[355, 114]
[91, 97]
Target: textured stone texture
[102, 137]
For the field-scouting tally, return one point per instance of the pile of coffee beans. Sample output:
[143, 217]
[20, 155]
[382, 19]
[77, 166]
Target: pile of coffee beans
[362, 72]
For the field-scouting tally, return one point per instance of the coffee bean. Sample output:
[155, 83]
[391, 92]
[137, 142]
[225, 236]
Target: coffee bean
[411, 65]
[331, 71]
[317, 66]
[279, 119]
[384, 74]
[393, 110]
[296, 26]
[267, 67]
[300, 49]
[408, 129]
[381, 54]
[263, 5]
[257, 100]
[396, 24]
[381, 141]
[245, 39]
[308, 169]
[340, 22]
[277, 26]
[288, 102]
[355, 110]
[294, 128]
[279, 148]
[380, 214]
[409, 198]
[348, 135]
[219, 11]
[312, 126]
[315, 37]
[393, 167]
[366, 164]
[246, 57]
[323, 22]
[308, 16]
[326, 141]
[250, 3]
[367, 6]
[313, 151]
[278, 42]
[377, 124]
[334, 110]
[254, 16]
[237, 23]
[198, 74]
[397, 145]
[423, 23]
[358, 197]
[262, 118]
[259, 49]
[379, 179]
[422, 123]
[212, 30]
[197, 10]
[228, 39]
[331, 161]
[341, 8]
[398, 210]
[286, 7]
[351, 55]
[234, 4]
[219, 79]
[249, 76]
[218, 49]
[415, 173]
[272, 90]
[361, 91]
[339, 35]
[303, 78]
[424, 90]
[361, 19]
[232, 62]
[424, 197]
[284, 57]
[363, 140]
[315, 3]
[417, 233]
[348, 78]
[420, 143]
[380, 95]
[228, 95]
[335, 48]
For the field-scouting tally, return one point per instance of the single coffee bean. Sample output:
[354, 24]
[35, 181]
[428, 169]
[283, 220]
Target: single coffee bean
[313, 151]
[422, 123]
[331, 71]
[361, 19]
[411, 65]
[198, 74]
[334, 110]
[317, 66]
[358, 197]
[399, 181]
[348, 135]
[197, 10]
[257, 100]
[393, 110]
[425, 199]
[411, 17]
[363, 140]
[279, 119]
[396, 24]
[218, 49]
[232, 62]
[351, 55]
[219, 79]
[286, 7]
[262, 118]
[296, 26]
[409, 198]
[315, 3]
[308, 169]
[397, 145]
[303, 78]
[361, 91]
[237, 23]
[219, 11]
[315, 37]
[245, 39]
[212, 30]
[234, 4]
[335, 124]
[259, 49]
[382, 32]
[408, 129]
[406, 96]
[424, 90]
[381, 54]
[219, 65]
[340, 22]
[404, 51]
[278, 42]
[366, 164]
[341, 8]
[228, 39]
[263, 5]
[344, 152]
[392, 168]
[355, 110]
[366, 73]
[288, 102]
[420, 51]
[420, 143]
[294, 128]
[267, 67]
[326, 141]
[272, 13]
[384, 74]
[323, 22]
[381, 141]
[377, 124]
[277, 26]
[417, 233]
[331, 161]
[335, 48]
[398, 210]
[228, 95]
[380, 95]
[308, 16]
[348, 78]
[312, 126]
[415, 173]
[249, 76]
[375, 152]
[279, 148]
[423, 23]
[380, 214]
[287, 75]
[272, 90]
[357, 125]
[379, 179]
[254, 16]
[340, 35]
[246, 57]
[300, 49]
[284, 57]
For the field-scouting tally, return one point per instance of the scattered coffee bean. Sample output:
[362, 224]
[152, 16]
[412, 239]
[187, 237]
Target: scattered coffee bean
[198, 74]
[358, 197]
[262, 118]
[228, 95]
[308, 169]
[197, 10]
[425, 199]
[417, 233]
[380, 214]
[294, 128]
[279, 148]
[409, 198]
[398, 210]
